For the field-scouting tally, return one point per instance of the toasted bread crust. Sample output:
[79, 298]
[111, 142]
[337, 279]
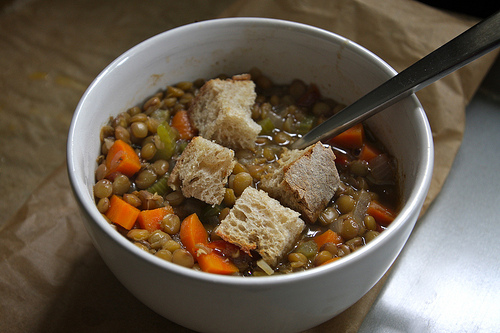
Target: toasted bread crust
[305, 181]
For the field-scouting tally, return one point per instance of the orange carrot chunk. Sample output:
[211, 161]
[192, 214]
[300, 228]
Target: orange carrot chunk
[368, 152]
[122, 213]
[214, 263]
[382, 215]
[193, 234]
[351, 138]
[151, 219]
[194, 237]
[181, 122]
[122, 158]
[328, 236]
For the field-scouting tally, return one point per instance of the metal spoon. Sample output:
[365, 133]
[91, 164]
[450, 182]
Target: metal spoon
[468, 46]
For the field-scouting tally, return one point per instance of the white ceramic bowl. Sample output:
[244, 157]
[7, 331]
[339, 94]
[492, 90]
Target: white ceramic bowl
[283, 50]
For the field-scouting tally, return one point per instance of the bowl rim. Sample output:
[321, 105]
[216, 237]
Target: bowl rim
[413, 201]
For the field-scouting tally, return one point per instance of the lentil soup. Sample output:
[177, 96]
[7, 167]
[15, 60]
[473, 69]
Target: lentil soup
[141, 145]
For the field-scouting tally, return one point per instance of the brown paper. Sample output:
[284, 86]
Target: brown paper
[51, 277]
[50, 51]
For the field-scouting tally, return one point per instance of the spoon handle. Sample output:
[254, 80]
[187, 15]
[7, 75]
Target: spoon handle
[468, 46]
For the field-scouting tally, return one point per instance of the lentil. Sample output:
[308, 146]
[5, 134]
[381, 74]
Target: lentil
[139, 129]
[103, 205]
[103, 189]
[183, 258]
[171, 224]
[158, 238]
[121, 184]
[171, 245]
[138, 234]
[322, 257]
[164, 254]
[241, 181]
[145, 179]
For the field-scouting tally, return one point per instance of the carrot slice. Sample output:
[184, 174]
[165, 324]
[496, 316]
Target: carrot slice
[193, 233]
[382, 215]
[123, 159]
[224, 248]
[328, 236]
[352, 137]
[122, 213]
[181, 122]
[368, 152]
[341, 158]
[151, 219]
[214, 263]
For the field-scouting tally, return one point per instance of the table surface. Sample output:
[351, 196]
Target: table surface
[447, 278]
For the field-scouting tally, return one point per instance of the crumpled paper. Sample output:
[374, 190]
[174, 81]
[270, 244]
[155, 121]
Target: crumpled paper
[51, 277]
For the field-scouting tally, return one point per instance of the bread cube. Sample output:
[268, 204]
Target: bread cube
[202, 171]
[221, 111]
[260, 223]
[305, 180]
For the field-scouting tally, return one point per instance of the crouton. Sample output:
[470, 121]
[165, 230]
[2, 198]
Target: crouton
[260, 223]
[202, 170]
[221, 111]
[305, 180]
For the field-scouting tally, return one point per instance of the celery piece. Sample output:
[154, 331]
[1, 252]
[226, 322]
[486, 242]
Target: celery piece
[267, 126]
[308, 248]
[168, 137]
[181, 145]
[211, 211]
[306, 124]
[160, 187]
